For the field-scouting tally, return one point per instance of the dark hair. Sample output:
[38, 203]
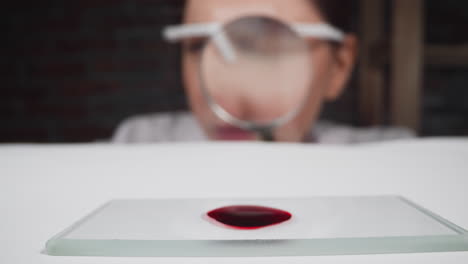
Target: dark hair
[339, 13]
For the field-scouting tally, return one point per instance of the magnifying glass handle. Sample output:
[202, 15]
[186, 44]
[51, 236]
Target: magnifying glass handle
[267, 135]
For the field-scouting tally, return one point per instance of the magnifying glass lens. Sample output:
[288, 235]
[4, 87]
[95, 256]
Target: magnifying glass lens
[257, 70]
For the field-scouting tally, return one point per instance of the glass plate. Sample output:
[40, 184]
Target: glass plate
[319, 226]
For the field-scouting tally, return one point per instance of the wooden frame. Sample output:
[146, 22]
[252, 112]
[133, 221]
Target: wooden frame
[407, 63]
[371, 71]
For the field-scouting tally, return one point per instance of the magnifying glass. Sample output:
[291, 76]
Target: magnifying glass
[256, 74]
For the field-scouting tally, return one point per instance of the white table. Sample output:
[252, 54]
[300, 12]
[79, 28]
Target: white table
[45, 188]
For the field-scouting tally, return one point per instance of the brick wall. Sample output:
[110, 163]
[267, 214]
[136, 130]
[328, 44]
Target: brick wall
[446, 87]
[75, 69]
[72, 70]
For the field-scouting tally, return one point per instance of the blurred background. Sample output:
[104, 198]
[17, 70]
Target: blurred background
[73, 70]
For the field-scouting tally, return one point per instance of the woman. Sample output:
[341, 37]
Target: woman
[333, 64]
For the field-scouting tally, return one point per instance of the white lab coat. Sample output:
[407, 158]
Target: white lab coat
[182, 127]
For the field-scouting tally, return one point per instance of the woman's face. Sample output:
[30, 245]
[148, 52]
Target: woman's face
[332, 66]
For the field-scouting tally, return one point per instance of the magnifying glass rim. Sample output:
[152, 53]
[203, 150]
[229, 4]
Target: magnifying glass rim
[227, 117]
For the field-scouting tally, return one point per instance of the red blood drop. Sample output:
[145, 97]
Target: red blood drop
[248, 216]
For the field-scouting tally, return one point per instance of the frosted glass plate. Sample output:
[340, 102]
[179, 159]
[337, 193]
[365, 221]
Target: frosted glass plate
[319, 226]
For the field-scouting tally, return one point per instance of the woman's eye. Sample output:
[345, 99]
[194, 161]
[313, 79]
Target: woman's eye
[194, 46]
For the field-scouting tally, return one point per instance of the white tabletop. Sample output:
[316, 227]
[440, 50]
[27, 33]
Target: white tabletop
[45, 188]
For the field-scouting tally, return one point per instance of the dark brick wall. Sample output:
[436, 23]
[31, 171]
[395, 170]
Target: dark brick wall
[446, 101]
[75, 69]
[72, 70]
[446, 87]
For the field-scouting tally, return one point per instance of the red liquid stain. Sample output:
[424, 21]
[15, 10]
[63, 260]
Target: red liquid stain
[248, 216]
